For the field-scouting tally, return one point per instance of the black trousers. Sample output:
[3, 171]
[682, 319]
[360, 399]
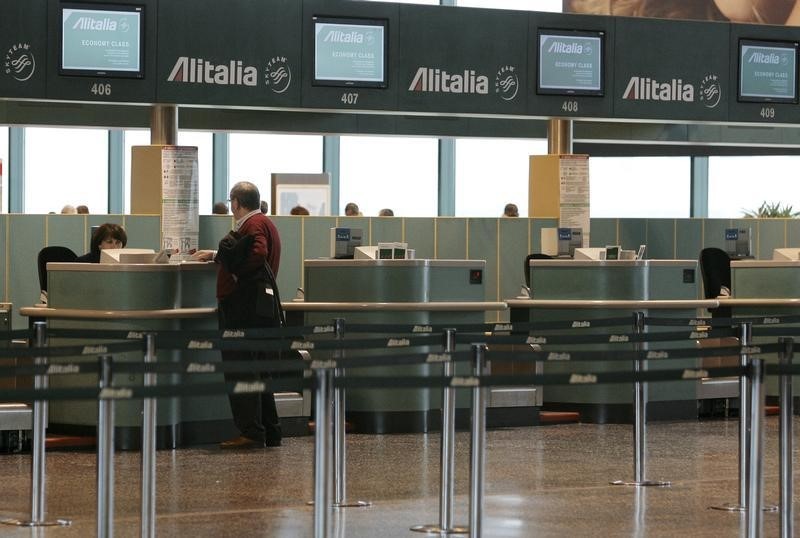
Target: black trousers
[254, 414]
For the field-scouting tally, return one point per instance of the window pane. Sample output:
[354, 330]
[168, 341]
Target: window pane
[254, 157]
[139, 137]
[4, 169]
[491, 173]
[553, 6]
[66, 167]
[645, 187]
[205, 157]
[388, 172]
[739, 184]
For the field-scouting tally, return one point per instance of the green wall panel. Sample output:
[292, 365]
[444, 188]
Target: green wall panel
[603, 232]
[689, 238]
[420, 234]
[660, 239]
[632, 233]
[482, 245]
[771, 235]
[451, 238]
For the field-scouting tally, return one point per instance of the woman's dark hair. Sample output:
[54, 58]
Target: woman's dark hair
[105, 231]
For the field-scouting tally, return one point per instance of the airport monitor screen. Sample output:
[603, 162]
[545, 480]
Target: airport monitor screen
[350, 52]
[570, 62]
[768, 71]
[101, 40]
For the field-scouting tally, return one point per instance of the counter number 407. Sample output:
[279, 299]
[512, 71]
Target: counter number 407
[100, 88]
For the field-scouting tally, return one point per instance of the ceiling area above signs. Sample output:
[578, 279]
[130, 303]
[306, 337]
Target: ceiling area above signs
[410, 60]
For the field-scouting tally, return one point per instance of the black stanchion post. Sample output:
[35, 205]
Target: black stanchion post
[755, 468]
[339, 426]
[448, 454]
[38, 431]
[322, 471]
[477, 444]
[149, 445]
[786, 439]
[105, 452]
[639, 417]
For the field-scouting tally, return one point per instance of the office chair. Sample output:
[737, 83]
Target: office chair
[715, 268]
[51, 254]
[526, 269]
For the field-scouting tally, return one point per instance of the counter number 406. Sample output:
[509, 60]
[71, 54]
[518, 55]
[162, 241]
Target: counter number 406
[100, 88]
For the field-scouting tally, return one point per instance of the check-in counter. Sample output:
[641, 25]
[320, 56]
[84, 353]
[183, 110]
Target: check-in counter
[558, 280]
[436, 291]
[138, 297]
[766, 279]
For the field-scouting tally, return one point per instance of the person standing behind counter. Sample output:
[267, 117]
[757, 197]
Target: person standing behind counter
[108, 235]
[247, 300]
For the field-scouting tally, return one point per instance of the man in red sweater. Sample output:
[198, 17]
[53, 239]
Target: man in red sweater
[246, 300]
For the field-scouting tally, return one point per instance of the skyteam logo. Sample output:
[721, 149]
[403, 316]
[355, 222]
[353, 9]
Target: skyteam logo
[710, 91]
[278, 74]
[506, 82]
[19, 62]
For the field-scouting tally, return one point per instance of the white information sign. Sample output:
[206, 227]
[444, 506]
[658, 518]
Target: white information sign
[180, 206]
[573, 180]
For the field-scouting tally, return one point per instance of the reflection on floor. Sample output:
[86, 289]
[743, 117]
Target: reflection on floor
[547, 481]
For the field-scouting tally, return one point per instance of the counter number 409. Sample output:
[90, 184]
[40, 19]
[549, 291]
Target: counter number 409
[767, 112]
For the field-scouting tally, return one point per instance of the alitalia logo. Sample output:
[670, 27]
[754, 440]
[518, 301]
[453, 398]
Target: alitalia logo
[337, 36]
[761, 58]
[648, 89]
[105, 24]
[428, 79]
[560, 47]
[200, 71]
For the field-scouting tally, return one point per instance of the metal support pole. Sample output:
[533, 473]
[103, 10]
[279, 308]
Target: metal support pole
[322, 475]
[38, 431]
[149, 446]
[448, 453]
[477, 446]
[786, 439]
[745, 340]
[755, 474]
[640, 417]
[339, 426]
[105, 454]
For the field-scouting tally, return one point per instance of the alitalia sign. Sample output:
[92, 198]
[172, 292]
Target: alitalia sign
[201, 71]
[674, 90]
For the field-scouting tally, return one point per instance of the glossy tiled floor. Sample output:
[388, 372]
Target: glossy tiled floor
[549, 481]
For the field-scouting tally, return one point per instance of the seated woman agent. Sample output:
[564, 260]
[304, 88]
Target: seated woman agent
[108, 235]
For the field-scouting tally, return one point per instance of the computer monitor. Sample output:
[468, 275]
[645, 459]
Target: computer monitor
[568, 240]
[344, 242]
[737, 242]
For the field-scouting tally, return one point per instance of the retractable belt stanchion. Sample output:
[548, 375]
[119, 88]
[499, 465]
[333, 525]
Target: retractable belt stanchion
[105, 453]
[339, 426]
[477, 446]
[149, 446]
[639, 418]
[786, 440]
[745, 340]
[38, 431]
[448, 454]
[322, 464]
[755, 468]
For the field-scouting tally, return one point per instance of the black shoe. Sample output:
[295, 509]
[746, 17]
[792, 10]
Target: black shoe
[272, 441]
[242, 442]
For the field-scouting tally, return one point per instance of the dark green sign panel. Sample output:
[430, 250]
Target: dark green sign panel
[79, 76]
[462, 60]
[231, 53]
[571, 63]
[350, 55]
[771, 73]
[674, 70]
[23, 46]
